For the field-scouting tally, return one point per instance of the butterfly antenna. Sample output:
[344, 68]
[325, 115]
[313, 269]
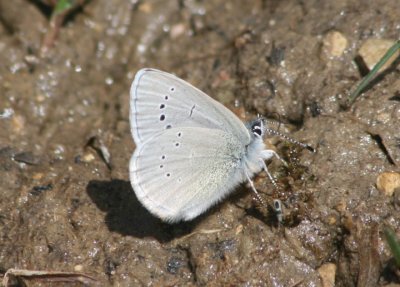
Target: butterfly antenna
[274, 122]
[289, 139]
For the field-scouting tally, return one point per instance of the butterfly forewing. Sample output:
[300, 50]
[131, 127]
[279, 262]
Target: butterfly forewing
[160, 101]
[181, 172]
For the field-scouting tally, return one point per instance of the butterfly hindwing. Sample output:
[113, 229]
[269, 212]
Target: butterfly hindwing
[181, 172]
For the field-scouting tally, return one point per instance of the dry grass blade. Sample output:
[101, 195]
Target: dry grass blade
[54, 276]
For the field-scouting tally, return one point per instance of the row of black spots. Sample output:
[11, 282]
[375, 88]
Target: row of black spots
[163, 157]
[178, 135]
[163, 106]
[168, 174]
[163, 117]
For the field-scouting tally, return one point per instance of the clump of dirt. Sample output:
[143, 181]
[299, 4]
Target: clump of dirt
[66, 206]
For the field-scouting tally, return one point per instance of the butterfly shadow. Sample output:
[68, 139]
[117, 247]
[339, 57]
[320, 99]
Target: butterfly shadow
[127, 216]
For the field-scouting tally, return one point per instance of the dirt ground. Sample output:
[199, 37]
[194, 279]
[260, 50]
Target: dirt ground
[65, 207]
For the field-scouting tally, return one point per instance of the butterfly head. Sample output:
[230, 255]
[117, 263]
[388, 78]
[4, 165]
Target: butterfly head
[257, 127]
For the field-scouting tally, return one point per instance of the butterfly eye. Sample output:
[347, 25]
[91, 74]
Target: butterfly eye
[256, 129]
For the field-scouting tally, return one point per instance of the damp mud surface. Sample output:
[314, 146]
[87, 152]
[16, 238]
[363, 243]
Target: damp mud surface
[66, 201]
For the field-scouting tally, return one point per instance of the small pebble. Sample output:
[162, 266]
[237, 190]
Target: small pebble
[40, 98]
[18, 123]
[387, 182]
[146, 8]
[332, 220]
[239, 229]
[177, 30]
[374, 49]
[334, 44]
[88, 157]
[327, 272]
[37, 176]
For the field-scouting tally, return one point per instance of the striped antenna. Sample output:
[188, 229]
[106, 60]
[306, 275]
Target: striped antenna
[289, 139]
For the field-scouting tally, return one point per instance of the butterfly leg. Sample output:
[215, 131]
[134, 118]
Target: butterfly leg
[268, 153]
[269, 175]
[255, 190]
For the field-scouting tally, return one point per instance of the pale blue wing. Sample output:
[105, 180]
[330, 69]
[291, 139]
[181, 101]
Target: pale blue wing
[160, 101]
[183, 171]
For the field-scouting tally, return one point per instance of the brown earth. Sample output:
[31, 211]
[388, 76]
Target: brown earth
[64, 208]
